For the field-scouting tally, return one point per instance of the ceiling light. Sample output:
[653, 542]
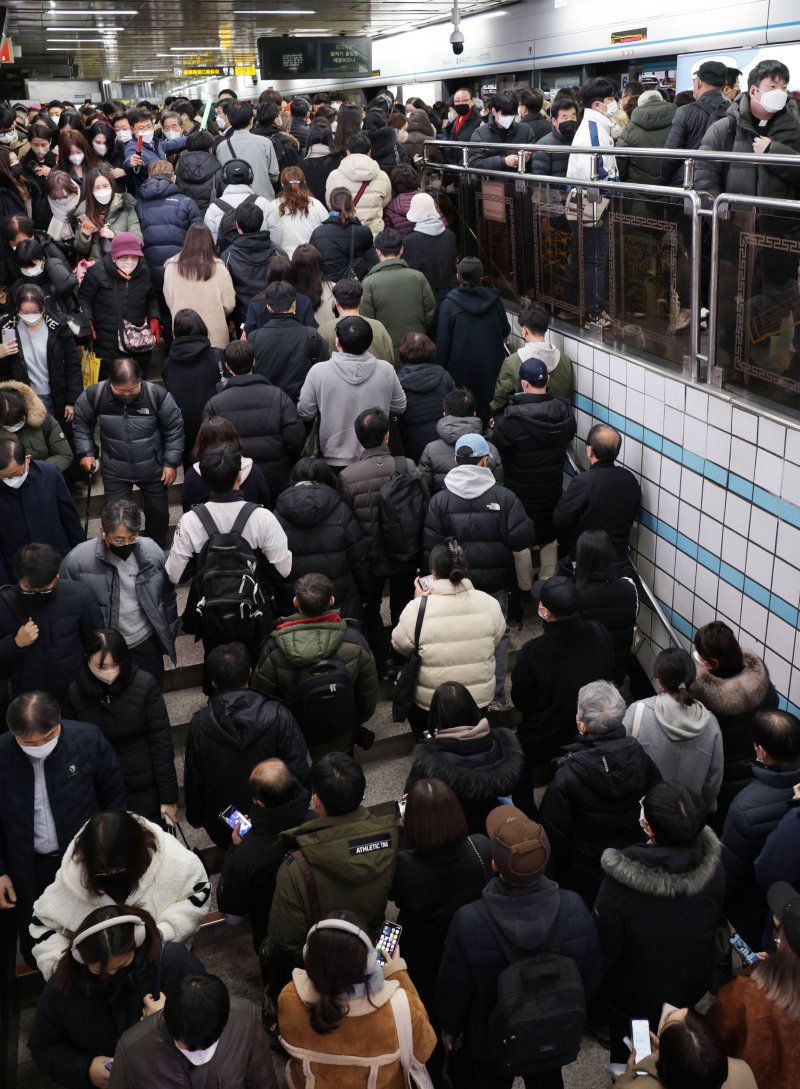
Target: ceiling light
[194, 49]
[86, 30]
[97, 11]
[273, 11]
[311, 30]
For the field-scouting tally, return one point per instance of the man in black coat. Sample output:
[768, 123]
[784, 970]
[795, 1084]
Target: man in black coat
[691, 121]
[500, 128]
[286, 350]
[54, 776]
[272, 433]
[551, 670]
[467, 120]
[44, 623]
[299, 127]
[530, 111]
[522, 904]
[607, 497]
[251, 867]
[35, 505]
[247, 258]
[754, 813]
[593, 800]
[198, 173]
[236, 730]
[564, 118]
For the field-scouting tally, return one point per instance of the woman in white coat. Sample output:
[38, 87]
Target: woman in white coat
[120, 858]
[460, 629]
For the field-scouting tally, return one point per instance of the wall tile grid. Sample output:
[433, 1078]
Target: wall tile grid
[719, 533]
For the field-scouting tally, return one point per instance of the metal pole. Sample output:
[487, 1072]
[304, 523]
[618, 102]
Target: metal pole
[713, 288]
[697, 256]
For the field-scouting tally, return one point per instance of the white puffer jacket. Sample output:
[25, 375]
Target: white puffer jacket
[174, 889]
[460, 630]
[351, 174]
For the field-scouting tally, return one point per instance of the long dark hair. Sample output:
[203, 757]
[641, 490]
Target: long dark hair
[114, 840]
[109, 643]
[197, 259]
[335, 962]
[434, 817]
[594, 555]
[95, 212]
[309, 273]
[676, 671]
[341, 201]
[214, 432]
[348, 123]
[715, 642]
[74, 138]
[452, 705]
[691, 1054]
[779, 978]
[116, 941]
[19, 183]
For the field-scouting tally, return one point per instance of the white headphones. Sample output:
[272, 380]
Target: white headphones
[351, 928]
[139, 932]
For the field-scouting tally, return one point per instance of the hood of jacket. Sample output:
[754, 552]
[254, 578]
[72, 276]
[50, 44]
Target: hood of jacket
[359, 1005]
[185, 350]
[733, 695]
[541, 349]
[476, 768]
[315, 836]
[713, 103]
[469, 481]
[552, 417]
[523, 915]
[307, 503]
[252, 249]
[353, 369]
[35, 411]
[653, 115]
[474, 300]
[610, 765]
[197, 166]
[235, 716]
[308, 639]
[422, 378]
[418, 121]
[680, 723]
[359, 168]
[319, 151]
[451, 428]
[431, 225]
[158, 188]
[665, 872]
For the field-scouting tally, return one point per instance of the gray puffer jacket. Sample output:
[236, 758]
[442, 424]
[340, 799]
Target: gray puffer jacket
[137, 439]
[439, 456]
[736, 132]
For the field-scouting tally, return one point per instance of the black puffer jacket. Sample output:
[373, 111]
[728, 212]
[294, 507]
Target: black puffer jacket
[191, 373]
[334, 243]
[324, 536]
[593, 803]
[286, 350]
[435, 257]
[545, 162]
[606, 496]
[199, 176]
[270, 429]
[106, 298]
[246, 260]
[387, 151]
[689, 126]
[317, 169]
[63, 368]
[425, 386]
[165, 215]
[133, 718]
[532, 436]
[479, 770]
[59, 284]
[613, 603]
[227, 738]
[517, 134]
[137, 439]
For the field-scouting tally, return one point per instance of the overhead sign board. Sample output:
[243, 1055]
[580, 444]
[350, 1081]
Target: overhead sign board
[314, 57]
[625, 37]
[202, 72]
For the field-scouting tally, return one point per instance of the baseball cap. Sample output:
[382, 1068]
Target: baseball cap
[784, 903]
[472, 446]
[125, 244]
[422, 206]
[520, 847]
[713, 72]
[534, 371]
[558, 594]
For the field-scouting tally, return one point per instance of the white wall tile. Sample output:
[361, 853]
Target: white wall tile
[720, 413]
[664, 586]
[714, 500]
[685, 570]
[734, 549]
[718, 447]
[571, 348]
[651, 464]
[745, 424]
[786, 582]
[754, 622]
[789, 543]
[743, 457]
[647, 572]
[781, 637]
[694, 436]
[689, 521]
[794, 687]
[618, 368]
[586, 357]
[692, 487]
[668, 506]
[646, 545]
[635, 376]
[710, 536]
[673, 424]
[780, 670]
[683, 601]
[649, 491]
[654, 385]
[763, 528]
[671, 477]
[759, 564]
[583, 380]
[675, 394]
[771, 436]
[584, 422]
[737, 514]
[704, 612]
[696, 403]
[601, 384]
[616, 400]
[729, 601]
[665, 558]
[654, 414]
[706, 585]
[632, 454]
[634, 405]
[769, 471]
[790, 485]
[793, 445]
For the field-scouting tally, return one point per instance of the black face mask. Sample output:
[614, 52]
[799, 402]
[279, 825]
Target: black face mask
[123, 551]
[462, 108]
[40, 595]
[568, 129]
[116, 886]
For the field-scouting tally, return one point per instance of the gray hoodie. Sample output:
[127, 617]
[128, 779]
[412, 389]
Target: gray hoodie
[439, 456]
[541, 349]
[341, 388]
[685, 743]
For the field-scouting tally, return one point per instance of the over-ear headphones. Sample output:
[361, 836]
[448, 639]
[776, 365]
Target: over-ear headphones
[139, 932]
[373, 968]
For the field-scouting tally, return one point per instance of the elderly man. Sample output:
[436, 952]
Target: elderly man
[593, 800]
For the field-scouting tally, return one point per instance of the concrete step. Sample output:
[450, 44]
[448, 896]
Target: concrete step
[98, 499]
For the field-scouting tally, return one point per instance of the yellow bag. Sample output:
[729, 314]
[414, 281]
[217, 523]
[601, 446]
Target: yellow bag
[90, 366]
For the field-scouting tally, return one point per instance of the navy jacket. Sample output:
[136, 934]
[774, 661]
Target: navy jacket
[425, 386]
[41, 510]
[83, 778]
[165, 215]
[780, 858]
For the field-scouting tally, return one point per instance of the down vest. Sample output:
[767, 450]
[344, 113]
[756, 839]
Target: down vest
[425, 386]
[106, 299]
[165, 215]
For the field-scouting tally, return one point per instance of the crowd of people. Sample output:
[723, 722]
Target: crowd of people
[340, 411]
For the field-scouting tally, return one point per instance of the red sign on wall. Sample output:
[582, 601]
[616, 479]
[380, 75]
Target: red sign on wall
[6, 52]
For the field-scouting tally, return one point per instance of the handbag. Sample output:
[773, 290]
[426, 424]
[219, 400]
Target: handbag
[591, 211]
[406, 680]
[90, 367]
[415, 1073]
[131, 337]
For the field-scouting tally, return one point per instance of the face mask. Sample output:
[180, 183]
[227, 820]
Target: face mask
[116, 885]
[107, 675]
[698, 659]
[35, 271]
[200, 1058]
[127, 265]
[451, 115]
[123, 551]
[16, 481]
[504, 120]
[40, 153]
[101, 147]
[77, 158]
[773, 101]
[41, 752]
[462, 108]
[14, 427]
[148, 135]
[123, 135]
[103, 196]
[31, 319]
[568, 129]
[43, 595]
[7, 137]
[334, 125]
[335, 106]
[611, 108]
[171, 134]
[643, 820]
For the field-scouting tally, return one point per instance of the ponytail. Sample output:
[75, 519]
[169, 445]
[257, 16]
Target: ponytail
[449, 562]
[676, 671]
[341, 201]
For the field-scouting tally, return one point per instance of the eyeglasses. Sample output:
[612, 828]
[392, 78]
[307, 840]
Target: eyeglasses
[112, 873]
[121, 542]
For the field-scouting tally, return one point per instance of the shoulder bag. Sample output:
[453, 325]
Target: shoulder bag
[415, 1073]
[406, 680]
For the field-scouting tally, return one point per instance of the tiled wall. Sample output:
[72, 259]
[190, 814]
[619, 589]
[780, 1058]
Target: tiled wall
[719, 535]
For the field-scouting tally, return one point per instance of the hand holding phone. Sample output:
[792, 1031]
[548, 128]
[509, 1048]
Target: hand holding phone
[388, 942]
[640, 1035]
[236, 820]
[744, 950]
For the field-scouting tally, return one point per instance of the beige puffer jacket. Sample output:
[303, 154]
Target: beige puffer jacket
[351, 174]
[460, 630]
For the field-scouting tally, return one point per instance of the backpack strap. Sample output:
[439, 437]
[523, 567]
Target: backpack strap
[400, 465]
[309, 883]
[420, 618]
[637, 720]
[360, 193]
[222, 205]
[206, 519]
[551, 944]
[13, 604]
[243, 517]
[510, 952]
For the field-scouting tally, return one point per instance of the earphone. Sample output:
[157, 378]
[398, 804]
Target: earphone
[372, 965]
[139, 932]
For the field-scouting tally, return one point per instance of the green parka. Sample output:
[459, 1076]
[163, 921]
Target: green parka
[42, 435]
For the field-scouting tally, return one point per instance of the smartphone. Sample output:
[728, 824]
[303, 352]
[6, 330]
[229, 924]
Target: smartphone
[426, 581]
[108, 1064]
[401, 809]
[236, 820]
[9, 335]
[640, 1035]
[744, 950]
[387, 942]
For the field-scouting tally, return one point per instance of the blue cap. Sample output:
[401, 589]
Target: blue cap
[472, 446]
[534, 371]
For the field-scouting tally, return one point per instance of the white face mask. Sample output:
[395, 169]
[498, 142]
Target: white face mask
[148, 135]
[41, 752]
[123, 135]
[698, 659]
[32, 271]
[610, 108]
[333, 125]
[7, 137]
[504, 120]
[14, 427]
[40, 153]
[451, 115]
[16, 481]
[773, 101]
[100, 146]
[108, 674]
[171, 134]
[103, 196]
[31, 319]
[77, 158]
[200, 1058]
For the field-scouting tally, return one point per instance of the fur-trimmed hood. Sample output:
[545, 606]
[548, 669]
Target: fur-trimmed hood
[733, 695]
[35, 411]
[476, 770]
[665, 872]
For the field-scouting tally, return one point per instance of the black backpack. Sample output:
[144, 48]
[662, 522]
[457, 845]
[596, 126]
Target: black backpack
[540, 1012]
[323, 702]
[227, 232]
[401, 513]
[231, 605]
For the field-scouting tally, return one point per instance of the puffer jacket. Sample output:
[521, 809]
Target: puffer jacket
[106, 298]
[471, 328]
[334, 243]
[614, 603]
[360, 483]
[246, 260]
[41, 510]
[236, 730]
[487, 520]
[133, 717]
[41, 436]
[439, 456]
[63, 368]
[396, 213]
[351, 174]
[137, 439]
[593, 803]
[199, 175]
[548, 162]
[59, 286]
[559, 367]
[425, 386]
[317, 165]
[286, 350]
[649, 127]
[121, 217]
[532, 437]
[460, 630]
[387, 150]
[165, 215]
[323, 537]
[517, 133]
[736, 132]
[191, 373]
[88, 564]
[689, 125]
[270, 429]
[83, 778]
[479, 768]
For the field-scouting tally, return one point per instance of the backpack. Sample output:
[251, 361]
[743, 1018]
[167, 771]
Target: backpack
[323, 702]
[401, 513]
[231, 605]
[227, 232]
[539, 1015]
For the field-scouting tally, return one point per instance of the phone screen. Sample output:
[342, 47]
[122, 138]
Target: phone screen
[236, 820]
[387, 942]
[640, 1034]
[743, 949]
[426, 581]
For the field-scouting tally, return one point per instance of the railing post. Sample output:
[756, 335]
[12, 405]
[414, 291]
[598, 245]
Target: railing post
[713, 289]
[697, 258]
[688, 174]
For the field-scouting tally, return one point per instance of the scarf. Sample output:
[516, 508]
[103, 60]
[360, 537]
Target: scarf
[465, 733]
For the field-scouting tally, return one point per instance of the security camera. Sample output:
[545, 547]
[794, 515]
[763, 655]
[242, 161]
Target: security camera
[457, 42]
